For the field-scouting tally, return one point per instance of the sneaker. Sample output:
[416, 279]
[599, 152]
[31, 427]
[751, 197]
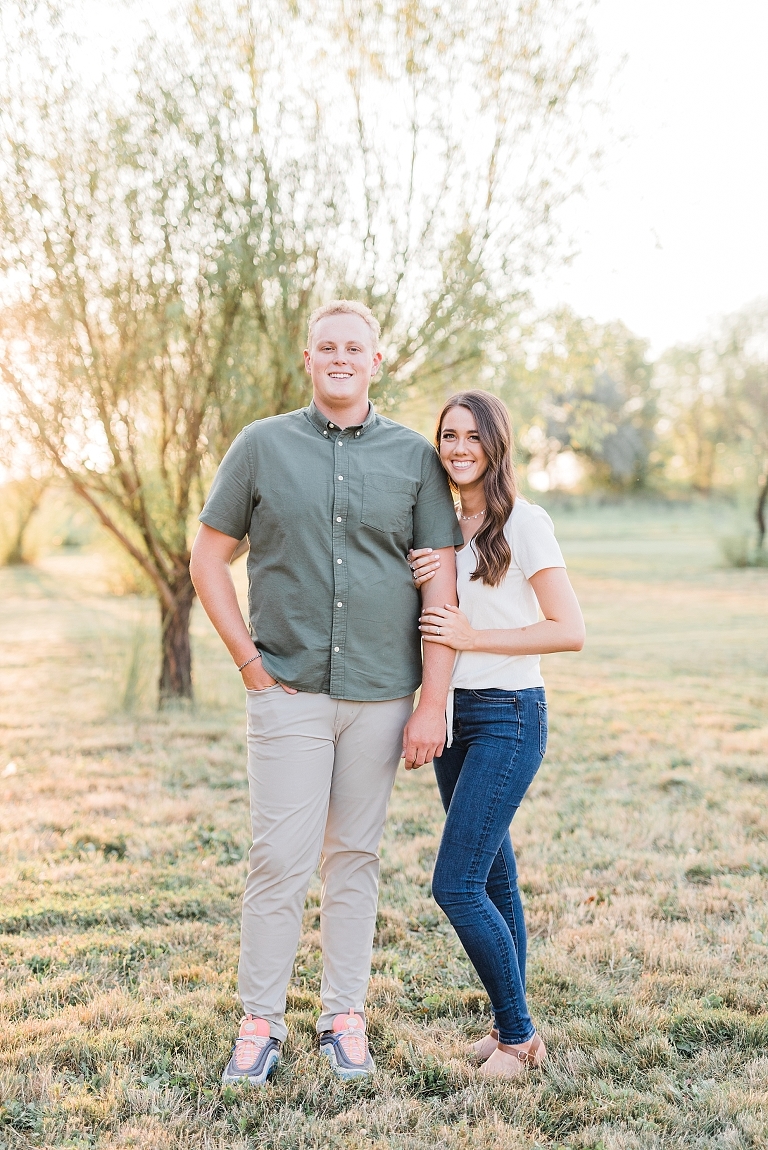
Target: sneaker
[346, 1047]
[255, 1055]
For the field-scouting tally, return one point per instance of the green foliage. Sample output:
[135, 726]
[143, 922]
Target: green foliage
[691, 1031]
[22, 1117]
[590, 391]
[740, 551]
[221, 843]
[715, 403]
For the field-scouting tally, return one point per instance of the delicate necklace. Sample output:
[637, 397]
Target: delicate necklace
[466, 518]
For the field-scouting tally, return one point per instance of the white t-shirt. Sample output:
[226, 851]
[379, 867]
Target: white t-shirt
[531, 537]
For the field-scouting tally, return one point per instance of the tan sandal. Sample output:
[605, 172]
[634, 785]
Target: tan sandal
[510, 1061]
[486, 1046]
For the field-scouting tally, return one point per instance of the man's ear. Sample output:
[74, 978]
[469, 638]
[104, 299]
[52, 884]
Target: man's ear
[307, 362]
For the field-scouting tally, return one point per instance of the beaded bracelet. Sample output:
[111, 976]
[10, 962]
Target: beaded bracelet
[251, 660]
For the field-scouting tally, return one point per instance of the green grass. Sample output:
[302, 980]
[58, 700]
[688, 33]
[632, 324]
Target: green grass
[643, 855]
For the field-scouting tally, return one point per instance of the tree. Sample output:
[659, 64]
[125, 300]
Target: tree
[694, 411]
[164, 237]
[716, 395]
[741, 348]
[21, 499]
[588, 388]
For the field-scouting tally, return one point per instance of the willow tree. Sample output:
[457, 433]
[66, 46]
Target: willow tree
[165, 234]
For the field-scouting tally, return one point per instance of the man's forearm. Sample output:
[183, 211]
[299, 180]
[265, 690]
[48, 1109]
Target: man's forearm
[436, 676]
[216, 591]
[218, 598]
[438, 660]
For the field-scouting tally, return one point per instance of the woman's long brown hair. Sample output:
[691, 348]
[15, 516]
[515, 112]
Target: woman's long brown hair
[495, 432]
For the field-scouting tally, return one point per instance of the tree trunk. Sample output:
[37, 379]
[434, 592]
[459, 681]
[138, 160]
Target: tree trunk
[760, 511]
[16, 556]
[176, 671]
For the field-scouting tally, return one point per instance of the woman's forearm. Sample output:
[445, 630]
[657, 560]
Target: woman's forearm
[542, 638]
[561, 629]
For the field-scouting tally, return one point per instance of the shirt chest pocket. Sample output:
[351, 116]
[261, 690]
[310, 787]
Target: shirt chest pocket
[387, 502]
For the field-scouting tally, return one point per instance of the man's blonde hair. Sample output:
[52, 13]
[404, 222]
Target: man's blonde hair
[346, 307]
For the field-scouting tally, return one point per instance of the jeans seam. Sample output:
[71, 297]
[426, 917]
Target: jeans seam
[543, 727]
[501, 780]
[513, 928]
[499, 939]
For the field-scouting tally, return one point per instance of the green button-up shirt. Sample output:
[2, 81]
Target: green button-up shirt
[330, 515]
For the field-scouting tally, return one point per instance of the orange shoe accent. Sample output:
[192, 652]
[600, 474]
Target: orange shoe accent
[254, 1035]
[351, 1028]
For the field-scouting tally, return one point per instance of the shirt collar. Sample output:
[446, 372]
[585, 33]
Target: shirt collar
[323, 424]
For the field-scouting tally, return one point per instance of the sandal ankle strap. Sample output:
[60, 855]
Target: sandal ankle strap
[524, 1056]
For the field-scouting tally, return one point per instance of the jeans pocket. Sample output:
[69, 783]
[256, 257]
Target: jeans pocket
[543, 728]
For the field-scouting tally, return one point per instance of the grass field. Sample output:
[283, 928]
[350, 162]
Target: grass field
[643, 849]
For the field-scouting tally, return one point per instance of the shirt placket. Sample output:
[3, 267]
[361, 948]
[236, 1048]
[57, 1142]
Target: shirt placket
[340, 572]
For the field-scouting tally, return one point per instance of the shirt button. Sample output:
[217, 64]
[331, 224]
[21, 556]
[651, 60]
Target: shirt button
[338, 604]
[338, 519]
[325, 433]
[335, 648]
[338, 560]
[356, 434]
[340, 476]
[333, 425]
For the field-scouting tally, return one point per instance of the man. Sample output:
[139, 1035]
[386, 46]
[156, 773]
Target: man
[332, 497]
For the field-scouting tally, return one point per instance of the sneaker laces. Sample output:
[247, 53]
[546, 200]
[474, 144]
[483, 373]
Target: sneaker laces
[349, 1030]
[253, 1037]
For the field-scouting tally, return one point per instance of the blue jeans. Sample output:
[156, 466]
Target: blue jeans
[499, 740]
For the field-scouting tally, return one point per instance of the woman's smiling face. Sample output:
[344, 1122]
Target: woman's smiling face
[461, 452]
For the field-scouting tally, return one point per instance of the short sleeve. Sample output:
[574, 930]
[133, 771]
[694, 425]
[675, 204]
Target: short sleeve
[434, 516]
[531, 535]
[230, 501]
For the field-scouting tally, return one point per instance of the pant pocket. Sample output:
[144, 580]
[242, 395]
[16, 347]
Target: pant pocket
[543, 728]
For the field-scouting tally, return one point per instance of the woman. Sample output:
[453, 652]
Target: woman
[509, 567]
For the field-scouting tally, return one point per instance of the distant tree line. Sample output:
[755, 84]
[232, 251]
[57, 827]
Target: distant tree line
[694, 419]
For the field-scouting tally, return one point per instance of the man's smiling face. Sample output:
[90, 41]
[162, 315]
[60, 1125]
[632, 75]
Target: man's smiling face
[341, 360]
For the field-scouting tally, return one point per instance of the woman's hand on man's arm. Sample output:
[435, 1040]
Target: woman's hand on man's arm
[425, 563]
[449, 626]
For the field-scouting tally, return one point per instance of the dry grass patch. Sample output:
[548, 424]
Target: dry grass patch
[642, 857]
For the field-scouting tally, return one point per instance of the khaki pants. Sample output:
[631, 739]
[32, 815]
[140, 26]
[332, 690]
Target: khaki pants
[321, 772]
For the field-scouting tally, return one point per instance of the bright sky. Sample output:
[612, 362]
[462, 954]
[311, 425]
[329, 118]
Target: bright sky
[674, 229]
